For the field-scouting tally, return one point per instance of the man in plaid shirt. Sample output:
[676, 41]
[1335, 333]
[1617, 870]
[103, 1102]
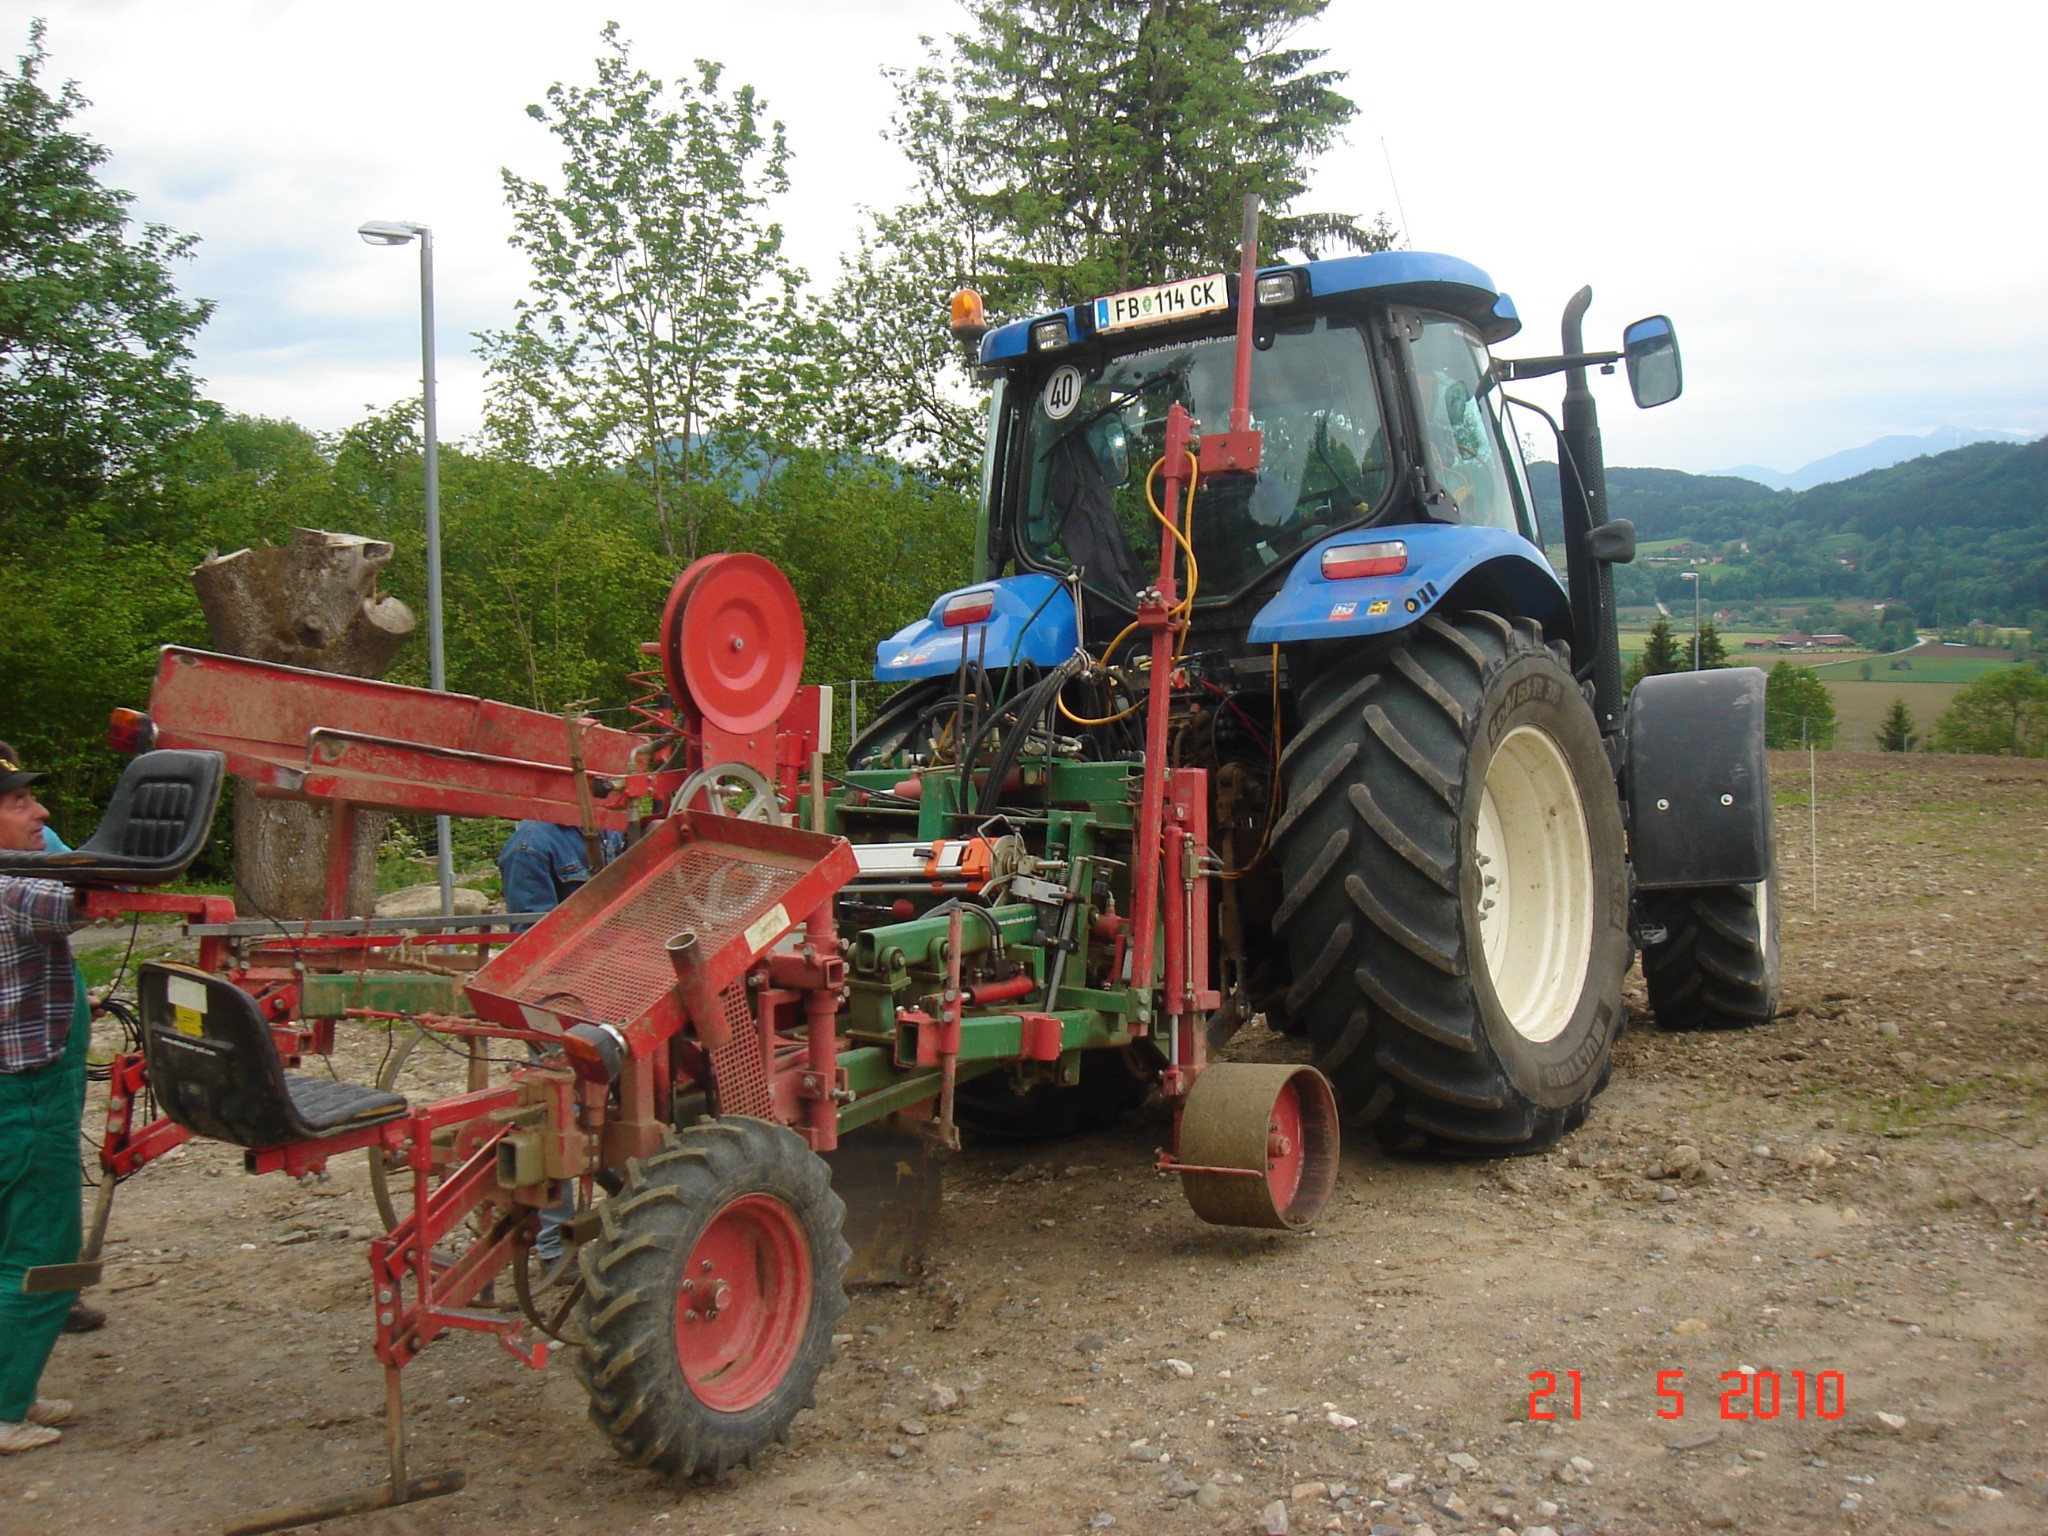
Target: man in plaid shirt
[44, 1024]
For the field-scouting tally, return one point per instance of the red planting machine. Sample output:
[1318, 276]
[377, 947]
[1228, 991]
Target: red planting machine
[701, 1024]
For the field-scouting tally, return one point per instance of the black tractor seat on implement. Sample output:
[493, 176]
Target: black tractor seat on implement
[215, 1069]
[155, 825]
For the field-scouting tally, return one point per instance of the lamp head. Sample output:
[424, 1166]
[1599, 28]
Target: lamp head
[389, 231]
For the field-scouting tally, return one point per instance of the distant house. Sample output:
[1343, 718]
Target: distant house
[1794, 642]
[1759, 645]
[1833, 642]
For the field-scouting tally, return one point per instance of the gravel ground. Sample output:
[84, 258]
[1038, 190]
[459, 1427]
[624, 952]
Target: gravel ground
[1847, 1200]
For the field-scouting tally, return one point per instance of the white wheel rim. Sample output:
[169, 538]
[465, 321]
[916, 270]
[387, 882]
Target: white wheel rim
[1536, 884]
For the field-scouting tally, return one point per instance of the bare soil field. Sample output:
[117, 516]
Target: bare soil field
[1854, 1192]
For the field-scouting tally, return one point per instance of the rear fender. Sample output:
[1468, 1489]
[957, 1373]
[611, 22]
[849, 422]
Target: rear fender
[1032, 620]
[1443, 558]
[1698, 791]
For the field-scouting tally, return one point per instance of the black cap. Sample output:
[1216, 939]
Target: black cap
[12, 775]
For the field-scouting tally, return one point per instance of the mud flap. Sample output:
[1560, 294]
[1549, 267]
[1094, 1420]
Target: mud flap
[890, 1183]
[1699, 792]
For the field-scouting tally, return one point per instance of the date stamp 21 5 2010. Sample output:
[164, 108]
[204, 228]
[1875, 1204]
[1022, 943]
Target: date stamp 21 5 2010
[1746, 1394]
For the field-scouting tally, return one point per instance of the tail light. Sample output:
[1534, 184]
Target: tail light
[130, 732]
[1389, 557]
[967, 608]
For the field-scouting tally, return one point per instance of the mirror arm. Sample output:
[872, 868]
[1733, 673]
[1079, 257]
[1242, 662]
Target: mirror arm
[1538, 367]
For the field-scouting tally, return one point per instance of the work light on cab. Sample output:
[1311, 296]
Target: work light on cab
[967, 608]
[1278, 288]
[1050, 335]
[1388, 557]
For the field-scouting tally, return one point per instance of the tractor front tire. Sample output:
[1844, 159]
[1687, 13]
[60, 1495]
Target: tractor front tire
[1456, 898]
[1717, 965]
[710, 1295]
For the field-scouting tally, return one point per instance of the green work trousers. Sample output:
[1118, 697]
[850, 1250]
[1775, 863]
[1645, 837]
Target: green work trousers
[39, 1221]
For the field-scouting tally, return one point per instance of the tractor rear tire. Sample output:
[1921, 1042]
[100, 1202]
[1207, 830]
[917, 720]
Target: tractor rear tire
[710, 1295]
[1717, 966]
[1455, 893]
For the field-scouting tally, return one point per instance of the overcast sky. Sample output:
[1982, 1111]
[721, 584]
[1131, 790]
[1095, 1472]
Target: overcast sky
[1840, 206]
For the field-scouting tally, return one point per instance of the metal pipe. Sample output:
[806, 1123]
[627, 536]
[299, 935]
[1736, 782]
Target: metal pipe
[1247, 301]
[1582, 494]
[949, 1034]
[437, 660]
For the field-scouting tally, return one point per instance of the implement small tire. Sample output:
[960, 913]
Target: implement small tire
[710, 1294]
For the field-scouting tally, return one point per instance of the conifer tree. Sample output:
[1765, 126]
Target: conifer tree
[1896, 733]
[1660, 654]
[1713, 653]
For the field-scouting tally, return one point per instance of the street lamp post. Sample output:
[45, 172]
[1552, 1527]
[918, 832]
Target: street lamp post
[400, 232]
[1694, 578]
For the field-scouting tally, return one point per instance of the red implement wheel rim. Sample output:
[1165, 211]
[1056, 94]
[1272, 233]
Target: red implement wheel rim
[1257, 1145]
[743, 1303]
[741, 642]
[1285, 1148]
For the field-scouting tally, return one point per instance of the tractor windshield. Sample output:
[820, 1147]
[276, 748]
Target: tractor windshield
[1092, 437]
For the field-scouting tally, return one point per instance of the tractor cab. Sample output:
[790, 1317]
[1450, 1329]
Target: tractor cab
[1378, 404]
[1370, 385]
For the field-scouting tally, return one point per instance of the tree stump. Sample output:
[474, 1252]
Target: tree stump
[312, 602]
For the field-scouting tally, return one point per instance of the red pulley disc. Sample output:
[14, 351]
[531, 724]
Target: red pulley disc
[739, 645]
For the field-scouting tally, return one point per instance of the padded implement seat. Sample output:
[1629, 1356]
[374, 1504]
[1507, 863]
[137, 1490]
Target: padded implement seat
[154, 827]
[215, 1068]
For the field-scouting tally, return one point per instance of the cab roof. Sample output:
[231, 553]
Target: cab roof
[1415, 277]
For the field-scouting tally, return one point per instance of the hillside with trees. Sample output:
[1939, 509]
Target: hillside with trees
[1961, 537]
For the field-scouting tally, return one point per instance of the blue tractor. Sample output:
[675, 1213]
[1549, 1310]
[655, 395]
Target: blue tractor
[1437, 831]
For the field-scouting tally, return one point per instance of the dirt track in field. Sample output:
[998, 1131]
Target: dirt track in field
[1860, 1191]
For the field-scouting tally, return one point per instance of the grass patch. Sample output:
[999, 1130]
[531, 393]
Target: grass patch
[1920, 1107]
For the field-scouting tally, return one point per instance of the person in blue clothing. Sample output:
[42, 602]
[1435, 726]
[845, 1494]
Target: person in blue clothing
[542, 865]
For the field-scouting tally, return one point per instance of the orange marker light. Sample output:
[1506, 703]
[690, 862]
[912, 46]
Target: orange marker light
[969, 320]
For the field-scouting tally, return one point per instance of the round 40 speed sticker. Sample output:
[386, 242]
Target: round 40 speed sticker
[1062, 392]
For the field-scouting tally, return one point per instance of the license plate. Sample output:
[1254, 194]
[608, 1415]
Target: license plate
[1166, 301]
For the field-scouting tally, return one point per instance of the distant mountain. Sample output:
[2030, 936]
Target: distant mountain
[1882, 454]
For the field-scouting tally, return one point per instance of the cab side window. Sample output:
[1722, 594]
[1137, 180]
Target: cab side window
[1462, 432]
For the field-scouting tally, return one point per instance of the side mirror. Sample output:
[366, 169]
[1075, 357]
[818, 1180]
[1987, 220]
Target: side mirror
[1613, 542]
[1111, 445]
[1650, 348]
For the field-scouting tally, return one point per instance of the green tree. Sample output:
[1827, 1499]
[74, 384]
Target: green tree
[1896, 733]
[1110, 143]
[95, 344]
[1063, 150]
[1660, 654]
[663, 314]
[898, 383]
[1713, 652]
[2004, 713]
[1798, 710]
